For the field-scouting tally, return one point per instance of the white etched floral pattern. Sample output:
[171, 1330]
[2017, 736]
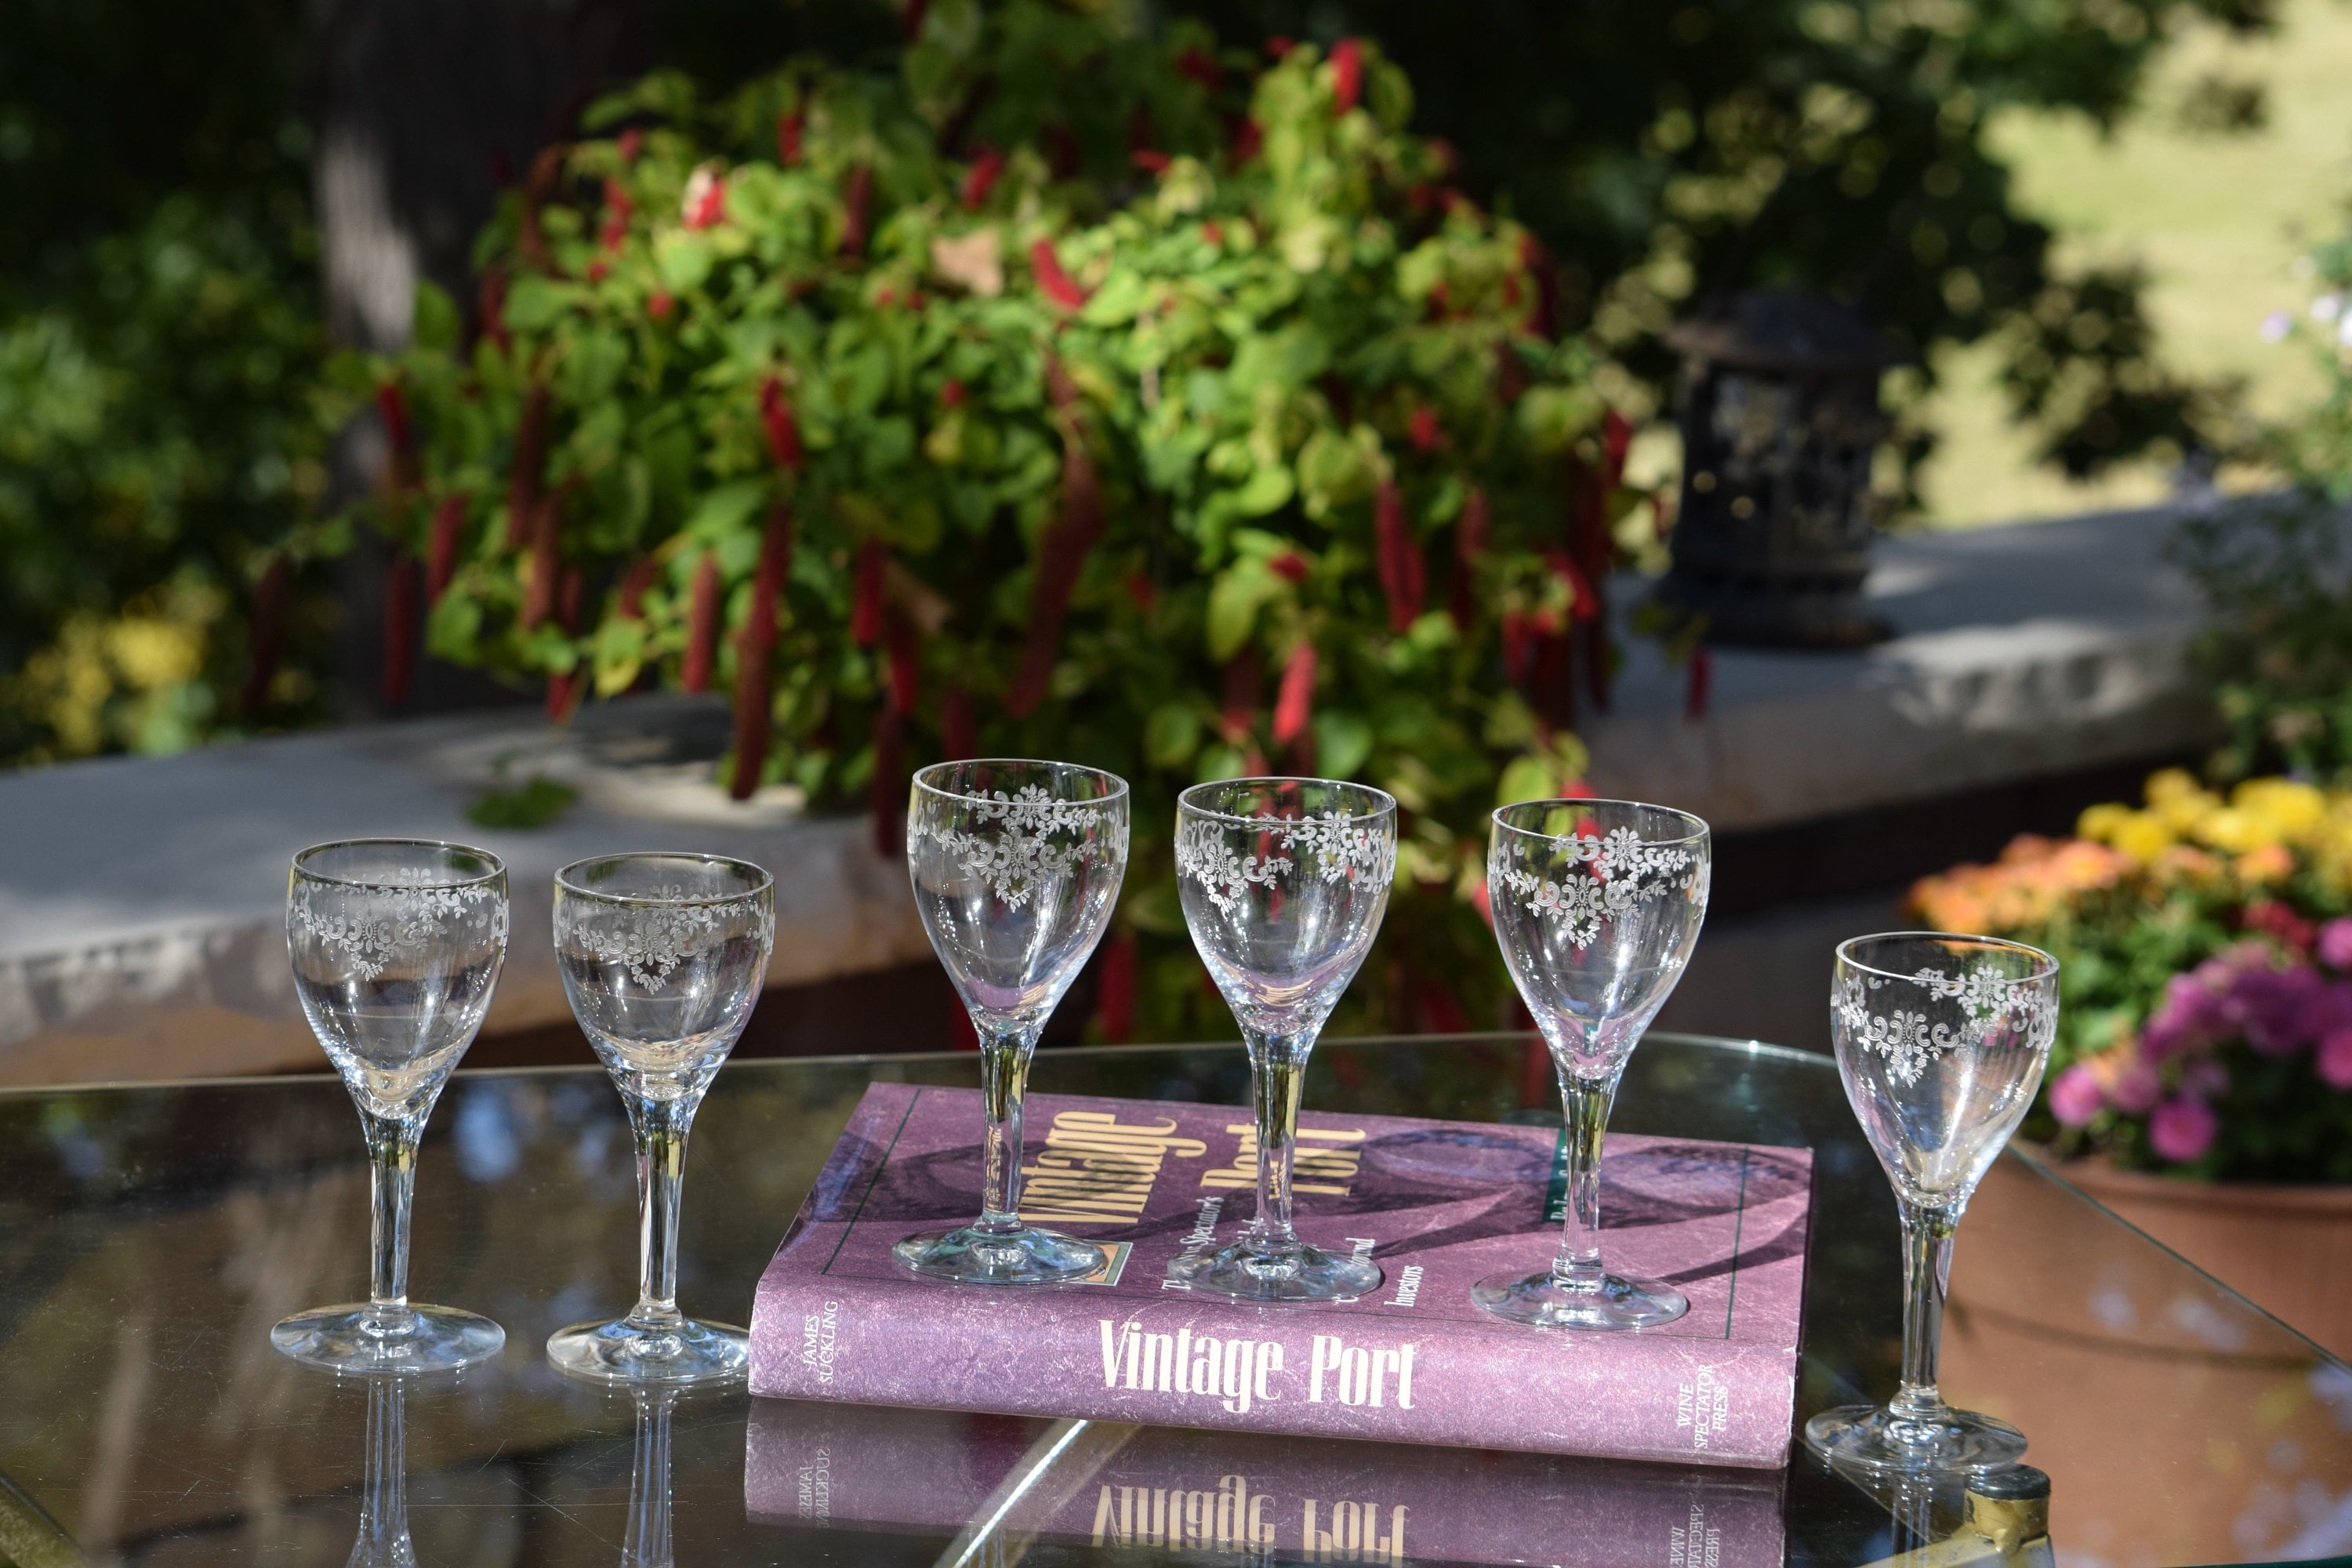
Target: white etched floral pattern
[1023, 842]
[379, 924]
[1339, 846]
[650, 940]
[1604, 876]
[2017, 1013]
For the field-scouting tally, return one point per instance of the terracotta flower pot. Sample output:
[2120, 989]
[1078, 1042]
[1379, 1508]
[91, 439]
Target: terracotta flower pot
[2288, 1249]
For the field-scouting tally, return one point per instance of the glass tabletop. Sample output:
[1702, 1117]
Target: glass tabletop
[149, 1236]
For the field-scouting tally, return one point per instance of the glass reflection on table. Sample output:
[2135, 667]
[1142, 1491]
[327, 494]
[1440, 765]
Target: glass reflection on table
[150, 1236]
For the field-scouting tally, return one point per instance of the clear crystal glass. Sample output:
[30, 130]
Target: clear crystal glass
[1015, 866]
[1284, 882]
[647, 1544]
[663, 957]
[1597, 905]
[1941, 1040]
[383, 1541]
[397, 945]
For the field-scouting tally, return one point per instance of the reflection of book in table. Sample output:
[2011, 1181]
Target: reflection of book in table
[1439, 1205]
[1112, 1484]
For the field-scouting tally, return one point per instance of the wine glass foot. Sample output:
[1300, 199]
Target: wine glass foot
[1870, 1437]
[1615, 1303]
[968, 1255]
[643, 1354]
[359, 1338]
[1248, 1271]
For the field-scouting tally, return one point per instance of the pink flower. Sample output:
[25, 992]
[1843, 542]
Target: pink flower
[2182, 1129]
[2137, 1090]
[2336, 1059]
[2335, 944]
[2074, 1096]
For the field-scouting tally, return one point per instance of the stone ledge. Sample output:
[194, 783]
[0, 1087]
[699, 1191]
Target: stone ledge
[142, 911]
[2019, 651]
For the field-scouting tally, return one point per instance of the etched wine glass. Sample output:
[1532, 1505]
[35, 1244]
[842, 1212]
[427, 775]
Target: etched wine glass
[1283, 882]
[1015, 866]
[1941, 1040]
[397, 945]
[663, 957]
[1597, 905]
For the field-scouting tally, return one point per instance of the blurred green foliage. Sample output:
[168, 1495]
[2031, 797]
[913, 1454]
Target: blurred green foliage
[1668, 151]
[159, 340]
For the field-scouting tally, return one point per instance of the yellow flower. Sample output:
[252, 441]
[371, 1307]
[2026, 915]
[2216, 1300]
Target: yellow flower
[2143, 837]
[2099, 823]
[2169, 784]
[2293, 812]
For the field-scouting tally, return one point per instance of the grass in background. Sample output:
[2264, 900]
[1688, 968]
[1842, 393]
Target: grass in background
[2218, 220]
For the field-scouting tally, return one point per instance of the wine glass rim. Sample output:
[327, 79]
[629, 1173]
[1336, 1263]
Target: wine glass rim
[925, 784]
[1184, 801]
[2044, 970]
[497, 867]
[1689, 816]
[563, 878]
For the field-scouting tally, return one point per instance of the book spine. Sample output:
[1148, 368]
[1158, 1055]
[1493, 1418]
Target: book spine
[1297, 1374]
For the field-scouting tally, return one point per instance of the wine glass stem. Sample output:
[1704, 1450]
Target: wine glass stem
[1584, 1103]
[649, 1484]
[383, 1501]
[1278, 1075]
[1927, 1273]
[1003, 1079]
[660, 1126]
[391, 1183]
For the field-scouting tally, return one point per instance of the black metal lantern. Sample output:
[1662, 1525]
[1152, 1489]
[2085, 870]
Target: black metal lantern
[1779, 409]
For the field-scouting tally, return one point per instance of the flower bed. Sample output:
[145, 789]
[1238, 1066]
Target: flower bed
[2206, 1026]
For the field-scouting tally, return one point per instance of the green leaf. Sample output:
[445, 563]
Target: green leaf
[1265, 490]
[1342, 741]
[1171, 734]
[536, 804]
[1289, 358]
[681, 259]
[437, 324]
[453, 629]
[1234, 603]
[727, 510]
[1526, 778]
[535, 303]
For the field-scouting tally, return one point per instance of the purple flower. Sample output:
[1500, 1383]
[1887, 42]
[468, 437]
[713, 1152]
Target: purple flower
[2189, 1018]
[2182, 1129]
[2273, 1007]
[2137, 1090]
[2336, 944]
[2336, 1059]
[2276, 325]
[2074, 1096]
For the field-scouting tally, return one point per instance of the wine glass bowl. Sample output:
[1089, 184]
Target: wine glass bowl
[1015, 866]
[1283, 883]
[396, 946]
[1941, 1040]
[1597, 906]
[663, 957]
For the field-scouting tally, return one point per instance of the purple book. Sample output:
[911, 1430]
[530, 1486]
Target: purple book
[1116, 1485]
[1437, 1204]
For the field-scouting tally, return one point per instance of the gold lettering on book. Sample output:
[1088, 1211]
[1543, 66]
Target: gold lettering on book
[1227, 1517]
[1092, 1166]
[1320, 1162]
[1355, 1534]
